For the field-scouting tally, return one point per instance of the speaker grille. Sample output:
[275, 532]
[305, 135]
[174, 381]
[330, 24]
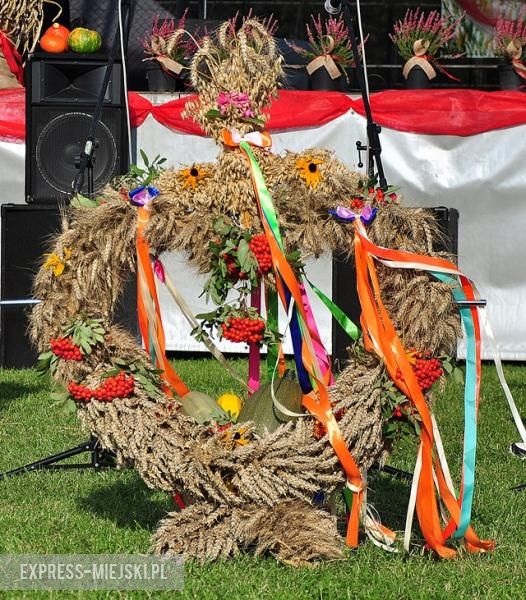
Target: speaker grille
[58, 149]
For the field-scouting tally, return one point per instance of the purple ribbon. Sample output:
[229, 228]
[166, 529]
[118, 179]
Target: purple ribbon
[142, 196]
[348, 216]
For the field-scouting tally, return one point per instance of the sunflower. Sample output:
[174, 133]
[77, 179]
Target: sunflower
[55, 262]
[192, 176]
[308, 170]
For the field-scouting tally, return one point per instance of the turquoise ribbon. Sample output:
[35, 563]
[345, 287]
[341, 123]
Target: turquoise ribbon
[470, 407]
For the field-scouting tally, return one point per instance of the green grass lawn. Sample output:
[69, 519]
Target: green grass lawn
[91, 512]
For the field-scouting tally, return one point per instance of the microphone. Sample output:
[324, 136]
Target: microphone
[332, 8]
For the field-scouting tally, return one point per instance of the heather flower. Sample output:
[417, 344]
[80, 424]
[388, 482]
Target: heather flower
[330, 37]
[167, 38]
[432, 29]
[510, 34]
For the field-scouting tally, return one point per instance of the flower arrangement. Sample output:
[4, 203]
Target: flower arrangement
[510, 36]
[169, 44]
[419, 38]
[330, 46]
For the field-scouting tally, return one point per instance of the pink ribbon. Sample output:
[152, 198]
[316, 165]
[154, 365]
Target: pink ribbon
[254, 349]
[321, 354]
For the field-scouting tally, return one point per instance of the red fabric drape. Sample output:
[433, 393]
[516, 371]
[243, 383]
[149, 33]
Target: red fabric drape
[432, 112]
[12, 57]
[446, 112]
[12, 115]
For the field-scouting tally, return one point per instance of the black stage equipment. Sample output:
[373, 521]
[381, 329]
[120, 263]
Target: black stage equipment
[61, 99]
[26, 231]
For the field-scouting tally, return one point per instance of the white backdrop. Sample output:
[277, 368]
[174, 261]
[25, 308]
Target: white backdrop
[483, 176]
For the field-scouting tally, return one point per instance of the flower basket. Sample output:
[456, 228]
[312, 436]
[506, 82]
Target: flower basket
[419, 37]
[509, 41]
[330, 54]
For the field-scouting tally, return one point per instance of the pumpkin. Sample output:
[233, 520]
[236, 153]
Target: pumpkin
[260, 408]
[85, 41]
[53, 42]
[202, 408]
[60, 30]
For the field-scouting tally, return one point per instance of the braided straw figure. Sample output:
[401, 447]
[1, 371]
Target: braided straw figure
[260, 494]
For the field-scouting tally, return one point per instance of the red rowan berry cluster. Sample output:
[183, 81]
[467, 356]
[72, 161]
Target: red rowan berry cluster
[261, 250]
[65, 348]
[243, 329]
[234, 271]
[427, 370]
[120, 386]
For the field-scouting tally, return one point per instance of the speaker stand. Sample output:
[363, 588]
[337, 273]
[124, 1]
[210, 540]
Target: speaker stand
[100, 459]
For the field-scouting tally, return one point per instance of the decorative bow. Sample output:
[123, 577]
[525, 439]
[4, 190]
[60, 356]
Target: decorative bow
[348, 216]
[261, 139]
[325, 60]
[142, 196]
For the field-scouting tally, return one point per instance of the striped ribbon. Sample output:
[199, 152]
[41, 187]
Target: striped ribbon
[317, 403]
[380, 336]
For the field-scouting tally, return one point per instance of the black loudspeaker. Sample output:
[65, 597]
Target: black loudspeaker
[344, 291]
[25, 233]
[61, 95]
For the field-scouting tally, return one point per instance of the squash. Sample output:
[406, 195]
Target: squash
[84, 40]
[60, 30]
[202, 408]
[260, 409]
[53, 42]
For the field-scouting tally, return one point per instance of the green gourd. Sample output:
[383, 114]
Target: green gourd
[84, 40]
[260, 409]
[202, 408]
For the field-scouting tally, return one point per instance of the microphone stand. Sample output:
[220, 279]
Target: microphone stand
[373, 130]
[86, 160]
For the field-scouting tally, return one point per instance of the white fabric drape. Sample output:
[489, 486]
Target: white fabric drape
[483, 176]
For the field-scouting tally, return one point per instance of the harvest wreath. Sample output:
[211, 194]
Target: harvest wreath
[250, 476]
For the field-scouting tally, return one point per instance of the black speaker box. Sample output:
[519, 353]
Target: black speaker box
[344, 291]
[61, 96]
[25, 235]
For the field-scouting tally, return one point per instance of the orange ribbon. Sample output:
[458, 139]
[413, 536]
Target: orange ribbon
[319, 407]
[149, 313]
[380, 336]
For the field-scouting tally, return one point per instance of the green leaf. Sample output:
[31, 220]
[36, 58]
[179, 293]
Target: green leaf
[243, 251]
[213, 113]
[85, 346]
[59, 396]
[80, 201]
[69, 406]
[254, 121]
[458, 376]
[448, 367]
[144, 157]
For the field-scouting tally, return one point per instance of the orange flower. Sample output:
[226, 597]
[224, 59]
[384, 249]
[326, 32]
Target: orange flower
[309, 171]
[192, 176]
